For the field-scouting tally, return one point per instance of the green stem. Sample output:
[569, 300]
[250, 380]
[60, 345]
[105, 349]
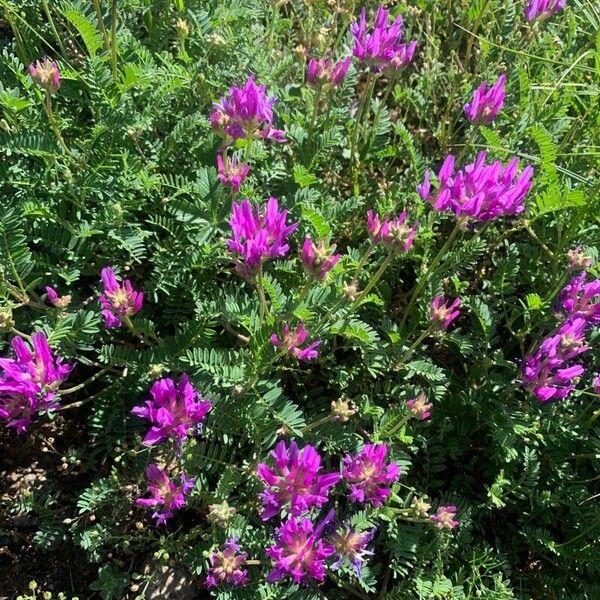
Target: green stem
[373, 128]
[316, 423]
[313, 119]
[52, 26]
[261, 294]
[365, 100]
[76, 388]
[113, 49]
[425, 276]
[85, 400]
[473, 34]
[101, 26]
[54, 124]
[384, 265]
[467, 145]
[129, 323]
[413, 347]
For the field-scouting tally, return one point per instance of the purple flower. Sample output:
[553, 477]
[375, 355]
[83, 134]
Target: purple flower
[380, 46]
[581, 299]
[487, 102]
[596, 384]
[542, 9]
[231, 172]
[29, 382]
[258, 235]
[325, 72]
[444, 517]
[442, 312]
[46, 74]
[547, 373]
[226, 566]
[395, 234]
[56, 300]
[369, 476]
[166, 495]
[295, 483]
[318, 259]
[246, 112]
[299, 551]
[479, 191]
[118, 301]
[292, 340]
[419, 407]
[351, 547]
[174, 411]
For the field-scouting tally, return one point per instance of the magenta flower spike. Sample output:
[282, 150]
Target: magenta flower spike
[29, 383]
[394, 233]
[442, 312]
[444, 517]
[175, 411]
[419, 408]
[324, 72]
[487, 101]
[258, 234]
[231, 172]
[226, 566]
[291, 342]
[299, 551]
[166, 495]
[479, 191]
[596, 384]
[380, 46]
[539, 10]
[46, 74]
[295, 483]
[548, 373]
[351, 547]
[581, 299]
[56, 300]
[369, 476]
[318, 259]
[247, 113]
[118, 301]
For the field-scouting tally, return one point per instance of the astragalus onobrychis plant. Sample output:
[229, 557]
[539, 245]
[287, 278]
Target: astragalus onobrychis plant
[300, 299]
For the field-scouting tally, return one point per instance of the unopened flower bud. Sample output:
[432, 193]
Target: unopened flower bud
[578, 259]
[46, 74]
[420, 507]
[350, 290]
[6, 319]
[221, 514]
[341, 410]
[183, 28]
[156, 370]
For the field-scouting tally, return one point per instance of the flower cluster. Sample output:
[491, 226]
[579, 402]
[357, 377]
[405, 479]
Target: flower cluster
[395, 233]
[226, 566]
[551, 373]
[419, 408]
[369, 475]
[538, 10]
[298, 485]
[487, 102]
[292, 340]
[299, 550]
[326, 72]
[46, 74]
[29, 383]
[246, 112]
[56, 300]
[442, 312]
[166, 495]
[380, 46]
[119, 302]
[258, 235]
[318, 259]
[174, 410]
[444, 517]
[480, 191]
[351, 547]
[231, 172]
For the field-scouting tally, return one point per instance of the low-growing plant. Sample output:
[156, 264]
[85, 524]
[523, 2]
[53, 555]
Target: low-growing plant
[300, 299]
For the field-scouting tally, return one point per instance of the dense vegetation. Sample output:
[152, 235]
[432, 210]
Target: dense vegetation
[292, 305]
